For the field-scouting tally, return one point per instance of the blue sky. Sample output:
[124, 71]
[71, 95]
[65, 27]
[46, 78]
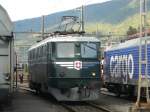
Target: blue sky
[22, 9]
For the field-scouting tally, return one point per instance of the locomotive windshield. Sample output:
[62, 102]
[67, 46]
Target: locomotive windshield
[79, 50]
[88, 50]
[65, 50]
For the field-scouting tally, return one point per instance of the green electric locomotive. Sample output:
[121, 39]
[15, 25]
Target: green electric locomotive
[68, 67]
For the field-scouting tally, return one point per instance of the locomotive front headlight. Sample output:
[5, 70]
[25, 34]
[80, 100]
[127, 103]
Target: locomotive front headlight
[93, 74]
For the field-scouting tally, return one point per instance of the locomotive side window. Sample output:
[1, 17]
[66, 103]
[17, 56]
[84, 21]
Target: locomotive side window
[43, 55]
[65, 50]
[41, 51]
[49, 50]
[44, 51]
[78, 50]
[88, 50]
[38, 50]
[33, 54]
[36, 55]
[53, 50]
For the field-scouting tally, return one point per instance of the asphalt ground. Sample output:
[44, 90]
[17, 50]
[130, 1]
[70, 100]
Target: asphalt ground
[24, 100]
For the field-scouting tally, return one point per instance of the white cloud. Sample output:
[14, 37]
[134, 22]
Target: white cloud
[21, 9]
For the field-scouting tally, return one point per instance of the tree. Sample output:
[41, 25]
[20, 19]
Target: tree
[131, 30]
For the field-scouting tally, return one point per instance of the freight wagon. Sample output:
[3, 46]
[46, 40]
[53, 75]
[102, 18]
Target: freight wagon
[122, 66]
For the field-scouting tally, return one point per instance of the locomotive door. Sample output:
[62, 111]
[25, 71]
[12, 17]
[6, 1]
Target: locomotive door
[49, 60]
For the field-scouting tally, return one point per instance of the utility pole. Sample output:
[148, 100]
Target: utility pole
[82, 18]
[42, 27]
[143, 78]
[143, 14]
[16, 70]
[11, 55]
[143, 81]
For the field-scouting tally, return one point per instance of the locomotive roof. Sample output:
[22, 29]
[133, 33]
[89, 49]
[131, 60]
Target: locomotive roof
[65, 39]
[126, 44]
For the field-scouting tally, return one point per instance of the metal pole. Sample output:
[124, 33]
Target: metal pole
[42, 28]
[146, 73]
[11, 43]
[16, 70]
[140, 50]
[82, 18]
[145, 16]
[146, 57]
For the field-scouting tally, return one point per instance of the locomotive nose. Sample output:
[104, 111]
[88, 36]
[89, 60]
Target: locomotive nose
[77, 73]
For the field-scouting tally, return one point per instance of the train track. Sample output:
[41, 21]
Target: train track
[27, 89]
[99, 107]
[70, 108]
[67, 107]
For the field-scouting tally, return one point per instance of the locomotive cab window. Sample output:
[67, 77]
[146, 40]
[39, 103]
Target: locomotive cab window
[65, 50]
[89, 50]
[53, 49]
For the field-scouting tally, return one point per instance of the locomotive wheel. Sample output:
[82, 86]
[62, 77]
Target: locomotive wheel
[38, 89]
[118, 90]
[131, 91]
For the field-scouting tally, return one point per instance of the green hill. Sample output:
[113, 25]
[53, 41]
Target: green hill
[111, 13]
[114, 16]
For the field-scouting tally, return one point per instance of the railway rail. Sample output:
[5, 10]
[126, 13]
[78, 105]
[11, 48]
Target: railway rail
[71, 108]
[99, 107]
[91, 106]
[67, 107]
[96, 108]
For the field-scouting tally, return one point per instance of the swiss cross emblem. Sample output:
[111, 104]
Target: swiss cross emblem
[77, 65]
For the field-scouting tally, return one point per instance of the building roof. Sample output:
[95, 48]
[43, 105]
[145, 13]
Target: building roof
[6, 26]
